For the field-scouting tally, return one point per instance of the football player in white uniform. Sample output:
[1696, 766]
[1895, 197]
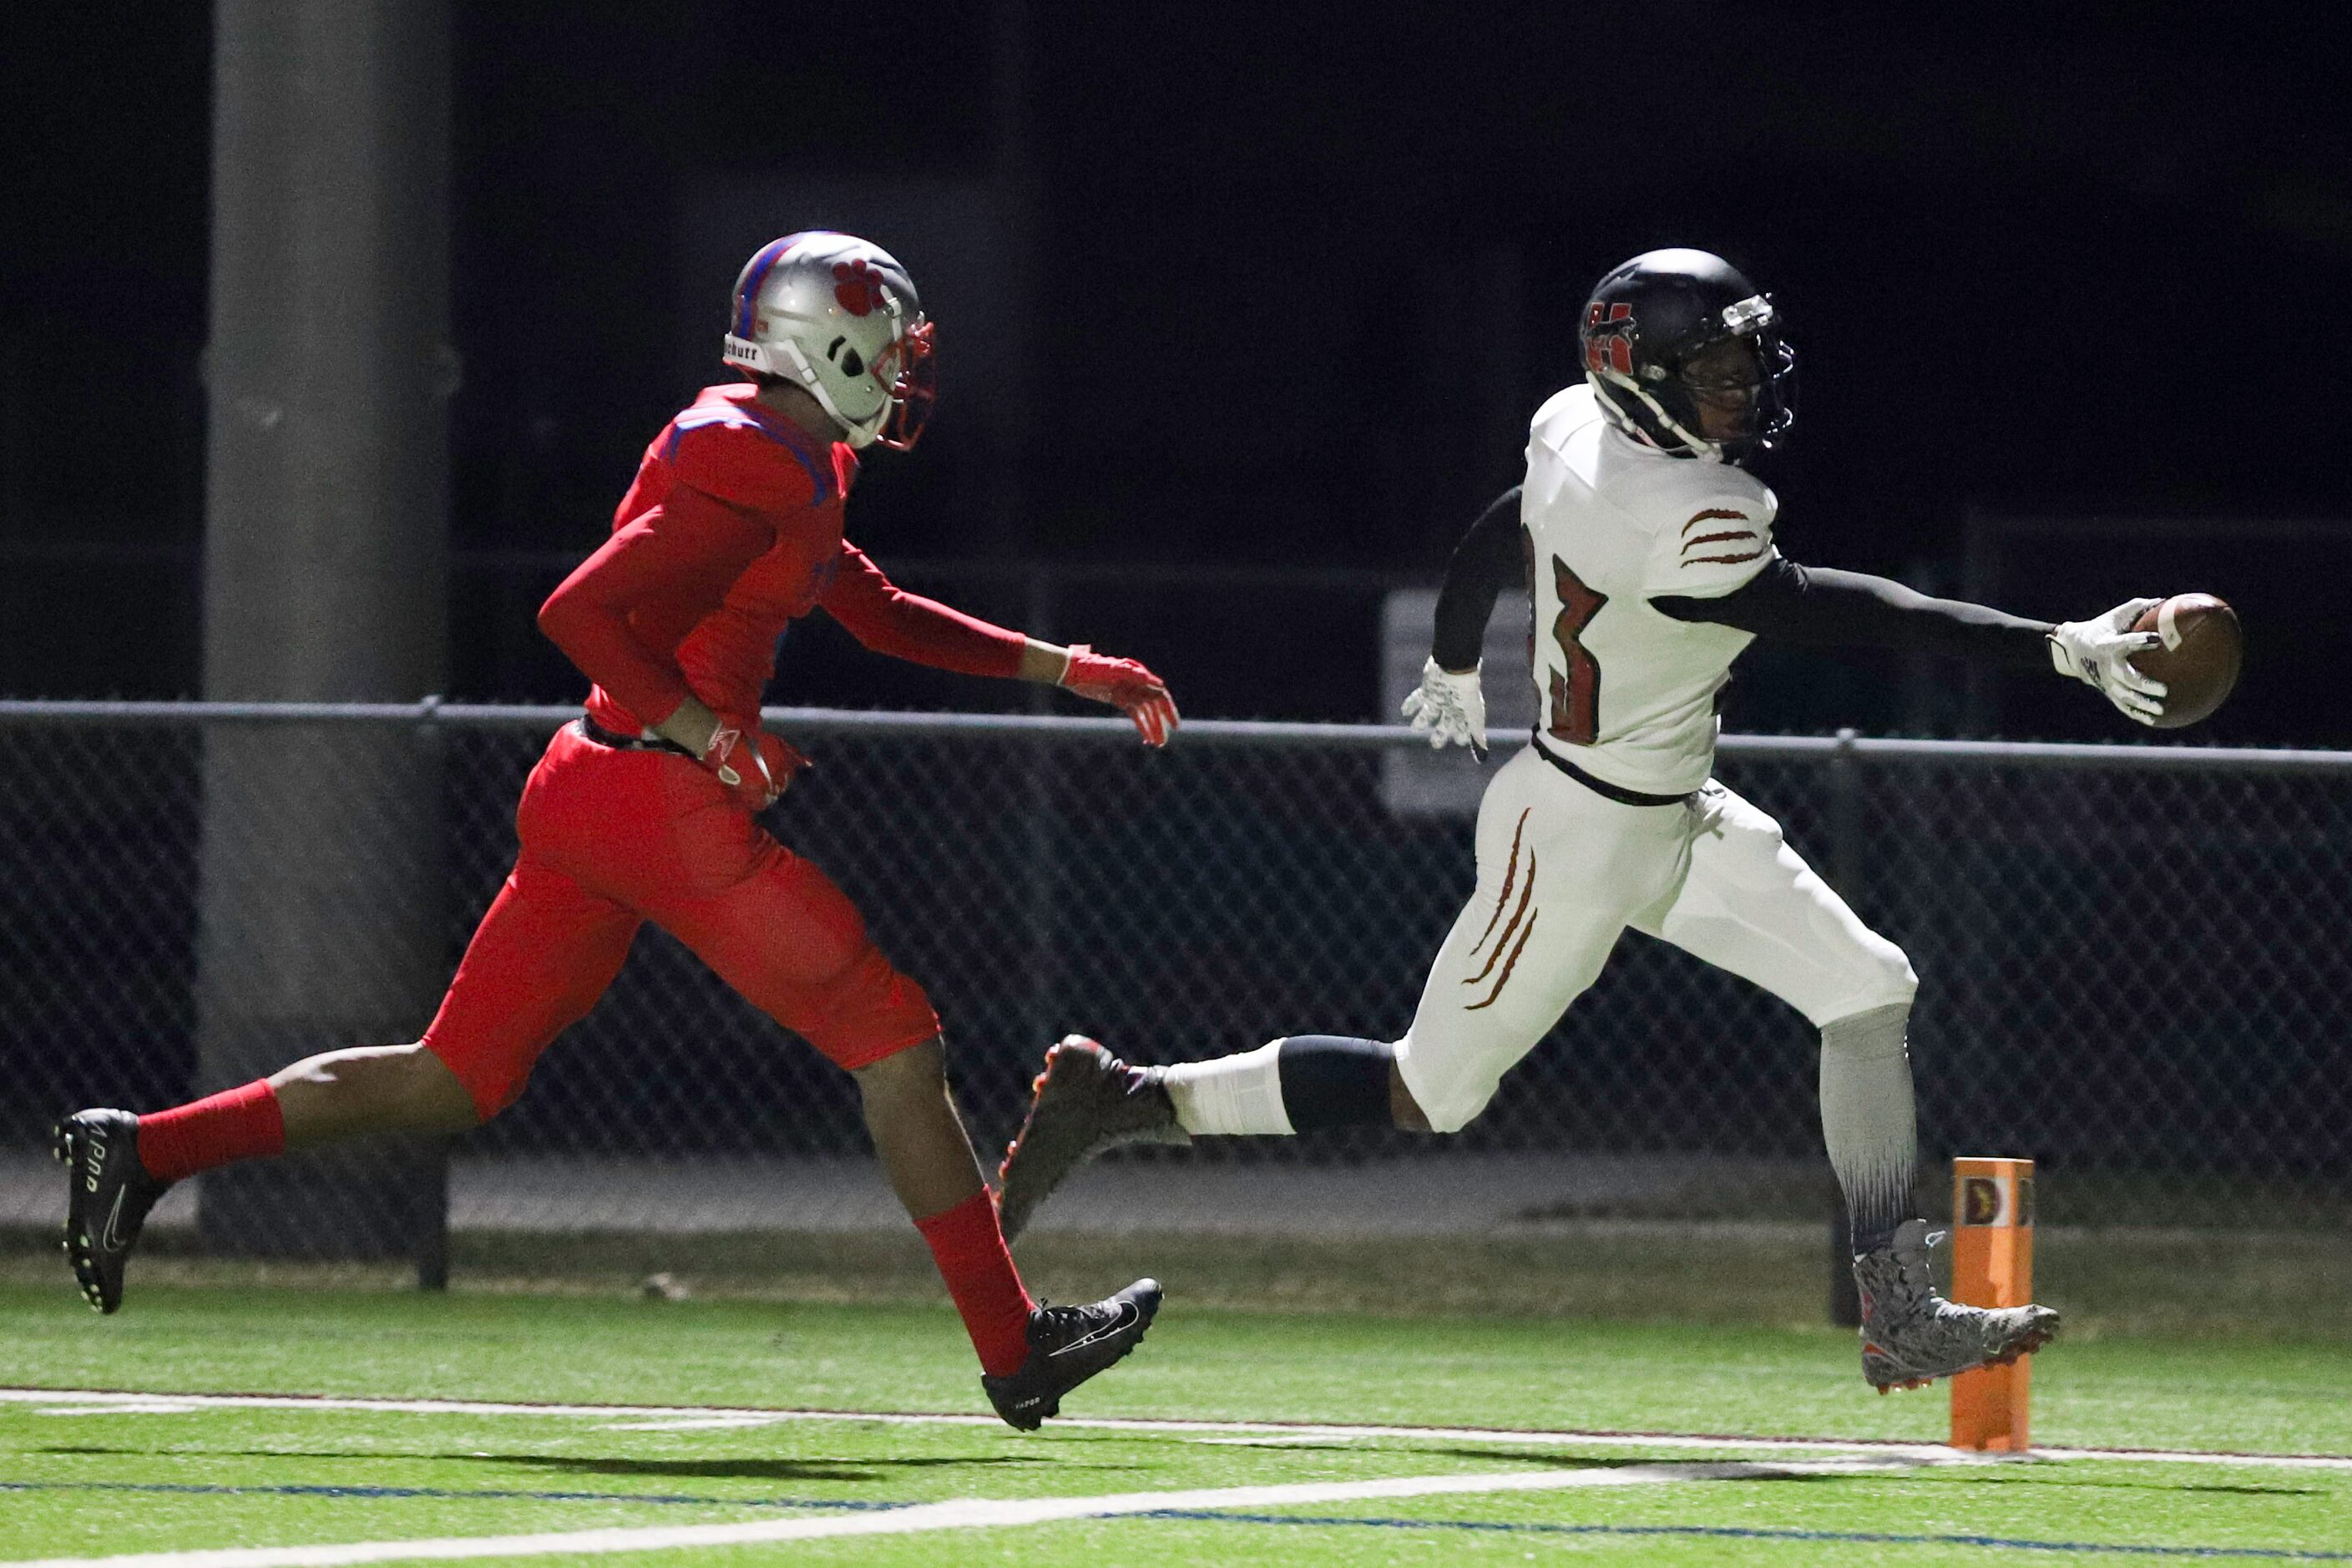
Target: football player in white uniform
[1649, 550]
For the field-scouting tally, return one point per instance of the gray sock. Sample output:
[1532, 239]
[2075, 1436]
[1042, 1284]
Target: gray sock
[1867, 1120]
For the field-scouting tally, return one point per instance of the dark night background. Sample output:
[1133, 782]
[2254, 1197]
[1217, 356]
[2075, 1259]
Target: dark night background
[1285, 284]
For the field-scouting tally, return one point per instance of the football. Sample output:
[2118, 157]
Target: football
[2199, 658]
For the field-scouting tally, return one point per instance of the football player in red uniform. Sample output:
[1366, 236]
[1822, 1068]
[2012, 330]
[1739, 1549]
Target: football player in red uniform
[644, 810]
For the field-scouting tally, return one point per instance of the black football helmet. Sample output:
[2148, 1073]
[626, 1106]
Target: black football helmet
[1687, 356]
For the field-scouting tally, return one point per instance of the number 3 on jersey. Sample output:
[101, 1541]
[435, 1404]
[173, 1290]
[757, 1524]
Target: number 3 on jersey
[1576, 696]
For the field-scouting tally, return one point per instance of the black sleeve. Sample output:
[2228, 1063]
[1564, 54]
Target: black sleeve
[1490, 558]
[1821, 606]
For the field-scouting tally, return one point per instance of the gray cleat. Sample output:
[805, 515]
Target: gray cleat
[1085, 1102]
[1911, 1336]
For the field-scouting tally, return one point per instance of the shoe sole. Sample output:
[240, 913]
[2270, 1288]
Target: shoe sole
[65, 1147]
[1038, 1086]
[1055, 1409]
[2033, 1340]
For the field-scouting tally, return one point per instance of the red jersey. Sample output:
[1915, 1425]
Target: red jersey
[731, 532]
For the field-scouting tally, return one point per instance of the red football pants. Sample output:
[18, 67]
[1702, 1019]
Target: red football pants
[614, 839]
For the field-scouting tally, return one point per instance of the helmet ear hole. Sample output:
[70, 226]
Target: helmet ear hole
[851, 364]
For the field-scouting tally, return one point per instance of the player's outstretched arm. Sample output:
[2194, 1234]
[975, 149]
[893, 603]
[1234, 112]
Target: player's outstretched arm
[888, 619]
[1124, 683]
[1448, 705]
[1821, 606]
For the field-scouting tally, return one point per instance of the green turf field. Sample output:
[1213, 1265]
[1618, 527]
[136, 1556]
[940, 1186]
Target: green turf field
[1512, 1460]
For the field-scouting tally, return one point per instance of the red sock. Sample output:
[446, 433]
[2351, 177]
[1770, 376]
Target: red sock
[970, 1250]
[235, 1124]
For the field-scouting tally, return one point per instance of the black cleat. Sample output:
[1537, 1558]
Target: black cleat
[1068, 1345]
[108, 1196]
[1085, 1102]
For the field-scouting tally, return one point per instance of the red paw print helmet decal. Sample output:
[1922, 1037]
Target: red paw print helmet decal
[858, 287]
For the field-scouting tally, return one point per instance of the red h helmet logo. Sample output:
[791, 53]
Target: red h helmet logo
[1608, 343]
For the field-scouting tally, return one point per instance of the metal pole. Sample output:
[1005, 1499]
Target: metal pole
[327, 374]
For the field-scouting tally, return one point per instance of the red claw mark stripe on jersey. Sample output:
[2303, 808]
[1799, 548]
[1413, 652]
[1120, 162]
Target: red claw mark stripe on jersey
[1725, 560]
[1712, 514]
[1721, 536]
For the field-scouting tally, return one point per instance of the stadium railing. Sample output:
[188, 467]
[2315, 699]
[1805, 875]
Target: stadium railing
[2133, 958]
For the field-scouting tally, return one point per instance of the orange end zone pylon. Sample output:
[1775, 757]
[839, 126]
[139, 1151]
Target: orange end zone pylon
[1992, 1266]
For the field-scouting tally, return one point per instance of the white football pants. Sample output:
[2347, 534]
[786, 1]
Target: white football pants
[1562, 870]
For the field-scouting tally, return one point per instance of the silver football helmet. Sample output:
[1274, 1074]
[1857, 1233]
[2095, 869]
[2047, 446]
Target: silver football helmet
[837, 317]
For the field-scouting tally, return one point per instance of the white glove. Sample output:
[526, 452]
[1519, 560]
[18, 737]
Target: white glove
[1449, 708]
[2098, 652]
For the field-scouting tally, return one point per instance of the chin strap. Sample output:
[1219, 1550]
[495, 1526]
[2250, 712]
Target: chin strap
[1694, 446]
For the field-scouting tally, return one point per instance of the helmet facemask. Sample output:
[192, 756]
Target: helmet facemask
[1739, 388]
[912, 376]
[1722, 389]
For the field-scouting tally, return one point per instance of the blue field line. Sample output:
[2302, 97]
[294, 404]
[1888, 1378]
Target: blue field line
[196, 1489]
[1733, 1532]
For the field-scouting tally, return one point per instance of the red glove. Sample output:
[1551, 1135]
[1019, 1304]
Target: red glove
[1127, 686]
[755, 766]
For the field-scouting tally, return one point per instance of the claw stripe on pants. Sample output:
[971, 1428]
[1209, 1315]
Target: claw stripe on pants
[1513, 927]
[1510, 875]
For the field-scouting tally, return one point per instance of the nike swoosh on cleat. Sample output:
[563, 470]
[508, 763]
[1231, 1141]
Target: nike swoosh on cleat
[1127, 1314]
[110, 1239]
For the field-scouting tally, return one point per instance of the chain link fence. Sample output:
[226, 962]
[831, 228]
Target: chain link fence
[2134, 962]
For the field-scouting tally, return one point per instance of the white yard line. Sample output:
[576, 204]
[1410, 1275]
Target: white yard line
[971, 1515]
[657, 1418]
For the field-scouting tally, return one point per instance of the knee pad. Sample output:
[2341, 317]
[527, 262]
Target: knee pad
[494, 1079]
[1448, 1107]
[1895, 984]
[1872, 972]
[861, 1014]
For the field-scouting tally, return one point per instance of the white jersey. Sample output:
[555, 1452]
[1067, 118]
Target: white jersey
[1624, 692]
